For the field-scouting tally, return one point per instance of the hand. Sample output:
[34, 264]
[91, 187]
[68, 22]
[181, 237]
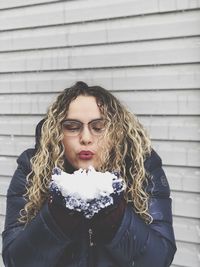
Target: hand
[106, 193]
[106, 223]
[68, 220]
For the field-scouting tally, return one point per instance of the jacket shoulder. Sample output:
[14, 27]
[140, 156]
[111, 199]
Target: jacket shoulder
[23, 160]
[153, 161]
[18, 181]
[157, 180]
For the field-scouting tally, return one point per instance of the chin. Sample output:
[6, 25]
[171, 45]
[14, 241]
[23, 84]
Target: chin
[85, 165]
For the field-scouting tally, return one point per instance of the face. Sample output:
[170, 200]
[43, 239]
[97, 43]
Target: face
[84, 133]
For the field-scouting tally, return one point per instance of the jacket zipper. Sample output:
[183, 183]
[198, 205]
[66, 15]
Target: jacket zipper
[91, 248]
[91, 243]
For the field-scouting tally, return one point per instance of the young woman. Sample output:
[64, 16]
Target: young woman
[87, 126]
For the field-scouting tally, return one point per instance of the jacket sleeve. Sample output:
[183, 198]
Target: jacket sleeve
[41, 242]
[142, 245]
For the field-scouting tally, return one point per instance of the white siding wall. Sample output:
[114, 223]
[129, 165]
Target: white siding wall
[145, 51]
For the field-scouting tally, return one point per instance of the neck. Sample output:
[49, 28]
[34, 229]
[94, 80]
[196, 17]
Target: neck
[68, 167]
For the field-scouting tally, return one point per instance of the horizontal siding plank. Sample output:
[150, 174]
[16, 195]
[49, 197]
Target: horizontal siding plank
[187, 255]
[1, 261]
[24, 126]
[159, 26]
[1, 245]
[2, 205]
[128, 29]
[187, 229]
[178, 153]
[15, 145]
[24, 104]
[4, 183]
[148, 103]
[76, 11]
[172, 127]
[186, 204]
[183, 179]
[32, 16]
[5, 4]
[102, 56]
[2, 219]
[162, 102]
[7, 165]
[160, 128]
[133, 78]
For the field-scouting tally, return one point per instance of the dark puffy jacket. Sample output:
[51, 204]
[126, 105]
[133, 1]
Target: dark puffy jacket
[42, 243]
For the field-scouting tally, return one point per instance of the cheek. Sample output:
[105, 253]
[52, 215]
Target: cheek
[70, 153]
[65, 143]
[68, 145]
[69, 141]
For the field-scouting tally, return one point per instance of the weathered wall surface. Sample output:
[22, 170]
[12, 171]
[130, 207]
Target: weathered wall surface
[147, 52]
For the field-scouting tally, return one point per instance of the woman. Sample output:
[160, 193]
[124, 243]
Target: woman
[87, 126]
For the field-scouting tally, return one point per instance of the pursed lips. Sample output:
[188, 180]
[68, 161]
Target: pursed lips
[85, 154]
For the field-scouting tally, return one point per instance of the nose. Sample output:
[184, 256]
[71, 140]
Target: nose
[86, 136]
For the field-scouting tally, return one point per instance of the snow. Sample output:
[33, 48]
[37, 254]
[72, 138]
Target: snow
[85, 184]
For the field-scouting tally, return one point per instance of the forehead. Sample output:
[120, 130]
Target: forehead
[84, 108]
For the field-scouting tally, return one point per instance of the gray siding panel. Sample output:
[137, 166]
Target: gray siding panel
[145, 51]
[157, 103]
[177, 51]
[7, 165]
[151, 27]
[171, 77]
[6, 4]
[78, 11]
[187, 254]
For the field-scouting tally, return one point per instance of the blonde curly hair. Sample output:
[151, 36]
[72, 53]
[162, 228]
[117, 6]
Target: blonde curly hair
[129, 146]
